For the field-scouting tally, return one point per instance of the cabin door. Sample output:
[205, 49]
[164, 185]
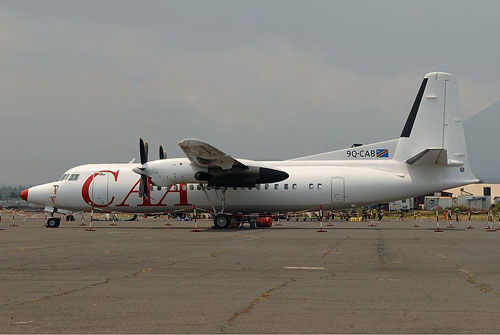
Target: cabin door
[99, 189]
[338, 189]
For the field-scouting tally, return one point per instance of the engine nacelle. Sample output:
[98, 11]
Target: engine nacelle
[172, 171]
[243, 177]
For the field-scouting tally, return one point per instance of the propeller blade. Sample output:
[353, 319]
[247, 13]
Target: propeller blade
[163, 153]
[143, 150]
[143, 186]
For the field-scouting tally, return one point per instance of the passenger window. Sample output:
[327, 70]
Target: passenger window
[198, 187]
[311, 186]
[184, 187]
[286, 186]
[250, 188]
[266, 186]
[176, 187]
[320, 186]
[74, 177]
[235, 188]
[257, 186]
[276, 186]
[191, 187]
[294, 186]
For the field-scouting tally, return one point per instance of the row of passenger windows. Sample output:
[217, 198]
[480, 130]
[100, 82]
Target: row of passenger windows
[258, 187]
[68, 176]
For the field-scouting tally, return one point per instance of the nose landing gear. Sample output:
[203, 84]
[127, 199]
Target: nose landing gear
[53, 222]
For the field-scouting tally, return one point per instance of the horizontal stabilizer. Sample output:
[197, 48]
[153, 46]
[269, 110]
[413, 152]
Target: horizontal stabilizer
[437, 156]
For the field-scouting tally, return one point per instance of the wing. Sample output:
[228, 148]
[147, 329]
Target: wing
[204, 155]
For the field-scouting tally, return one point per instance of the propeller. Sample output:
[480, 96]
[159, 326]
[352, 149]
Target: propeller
[142, 169]
[163, 152]
[143, 150]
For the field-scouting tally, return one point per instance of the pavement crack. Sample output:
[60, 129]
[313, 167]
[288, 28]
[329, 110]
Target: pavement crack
[328, 252]
[220, 252]
[471, 279]
[335, 246]
[383, 253]
[264, 296]
[466, 274]
[89, 286]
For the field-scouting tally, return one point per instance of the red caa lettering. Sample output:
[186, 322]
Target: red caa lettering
[132, 190]
[183, 195]
[86, 186]
[146, 201]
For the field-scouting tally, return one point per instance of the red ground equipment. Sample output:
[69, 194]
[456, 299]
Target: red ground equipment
[264, 221]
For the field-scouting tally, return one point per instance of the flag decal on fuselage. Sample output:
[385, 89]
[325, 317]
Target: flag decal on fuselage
[382, 153]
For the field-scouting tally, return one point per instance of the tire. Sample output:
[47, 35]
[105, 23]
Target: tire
[222, 221]
[53, 222]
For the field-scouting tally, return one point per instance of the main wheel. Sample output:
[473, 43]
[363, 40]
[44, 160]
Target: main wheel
[53, 222]
[222, 221]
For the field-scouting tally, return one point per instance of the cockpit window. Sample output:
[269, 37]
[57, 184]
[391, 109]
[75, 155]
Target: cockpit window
[74, 177]
[63, 177]
[67, 176]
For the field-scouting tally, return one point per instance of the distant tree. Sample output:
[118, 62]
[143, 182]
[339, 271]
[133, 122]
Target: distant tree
[13, 195]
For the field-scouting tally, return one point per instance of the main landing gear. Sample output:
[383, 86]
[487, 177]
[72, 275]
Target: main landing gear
[222, 220]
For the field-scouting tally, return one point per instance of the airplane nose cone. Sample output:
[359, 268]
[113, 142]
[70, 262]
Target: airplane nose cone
[24, 195]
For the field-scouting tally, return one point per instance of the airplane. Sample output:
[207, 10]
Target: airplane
[430, 155]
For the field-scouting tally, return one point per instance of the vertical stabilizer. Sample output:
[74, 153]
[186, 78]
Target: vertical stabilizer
[435, 122]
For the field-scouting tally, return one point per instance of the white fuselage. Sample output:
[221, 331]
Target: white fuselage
[332, 184]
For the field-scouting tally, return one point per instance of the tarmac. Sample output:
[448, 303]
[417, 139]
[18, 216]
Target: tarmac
[146, 277]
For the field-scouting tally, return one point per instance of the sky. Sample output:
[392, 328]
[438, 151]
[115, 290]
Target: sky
[81, 81]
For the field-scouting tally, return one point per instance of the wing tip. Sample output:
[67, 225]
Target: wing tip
[190, 141]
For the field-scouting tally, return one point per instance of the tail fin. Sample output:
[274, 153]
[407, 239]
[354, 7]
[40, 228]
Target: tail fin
[434, 127]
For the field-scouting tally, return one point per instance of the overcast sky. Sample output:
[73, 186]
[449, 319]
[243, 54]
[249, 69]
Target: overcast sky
[81, 81]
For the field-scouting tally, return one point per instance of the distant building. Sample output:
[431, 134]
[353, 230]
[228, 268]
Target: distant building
[475, 202]
[405, 205]
[490, 191]
[435, 202]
